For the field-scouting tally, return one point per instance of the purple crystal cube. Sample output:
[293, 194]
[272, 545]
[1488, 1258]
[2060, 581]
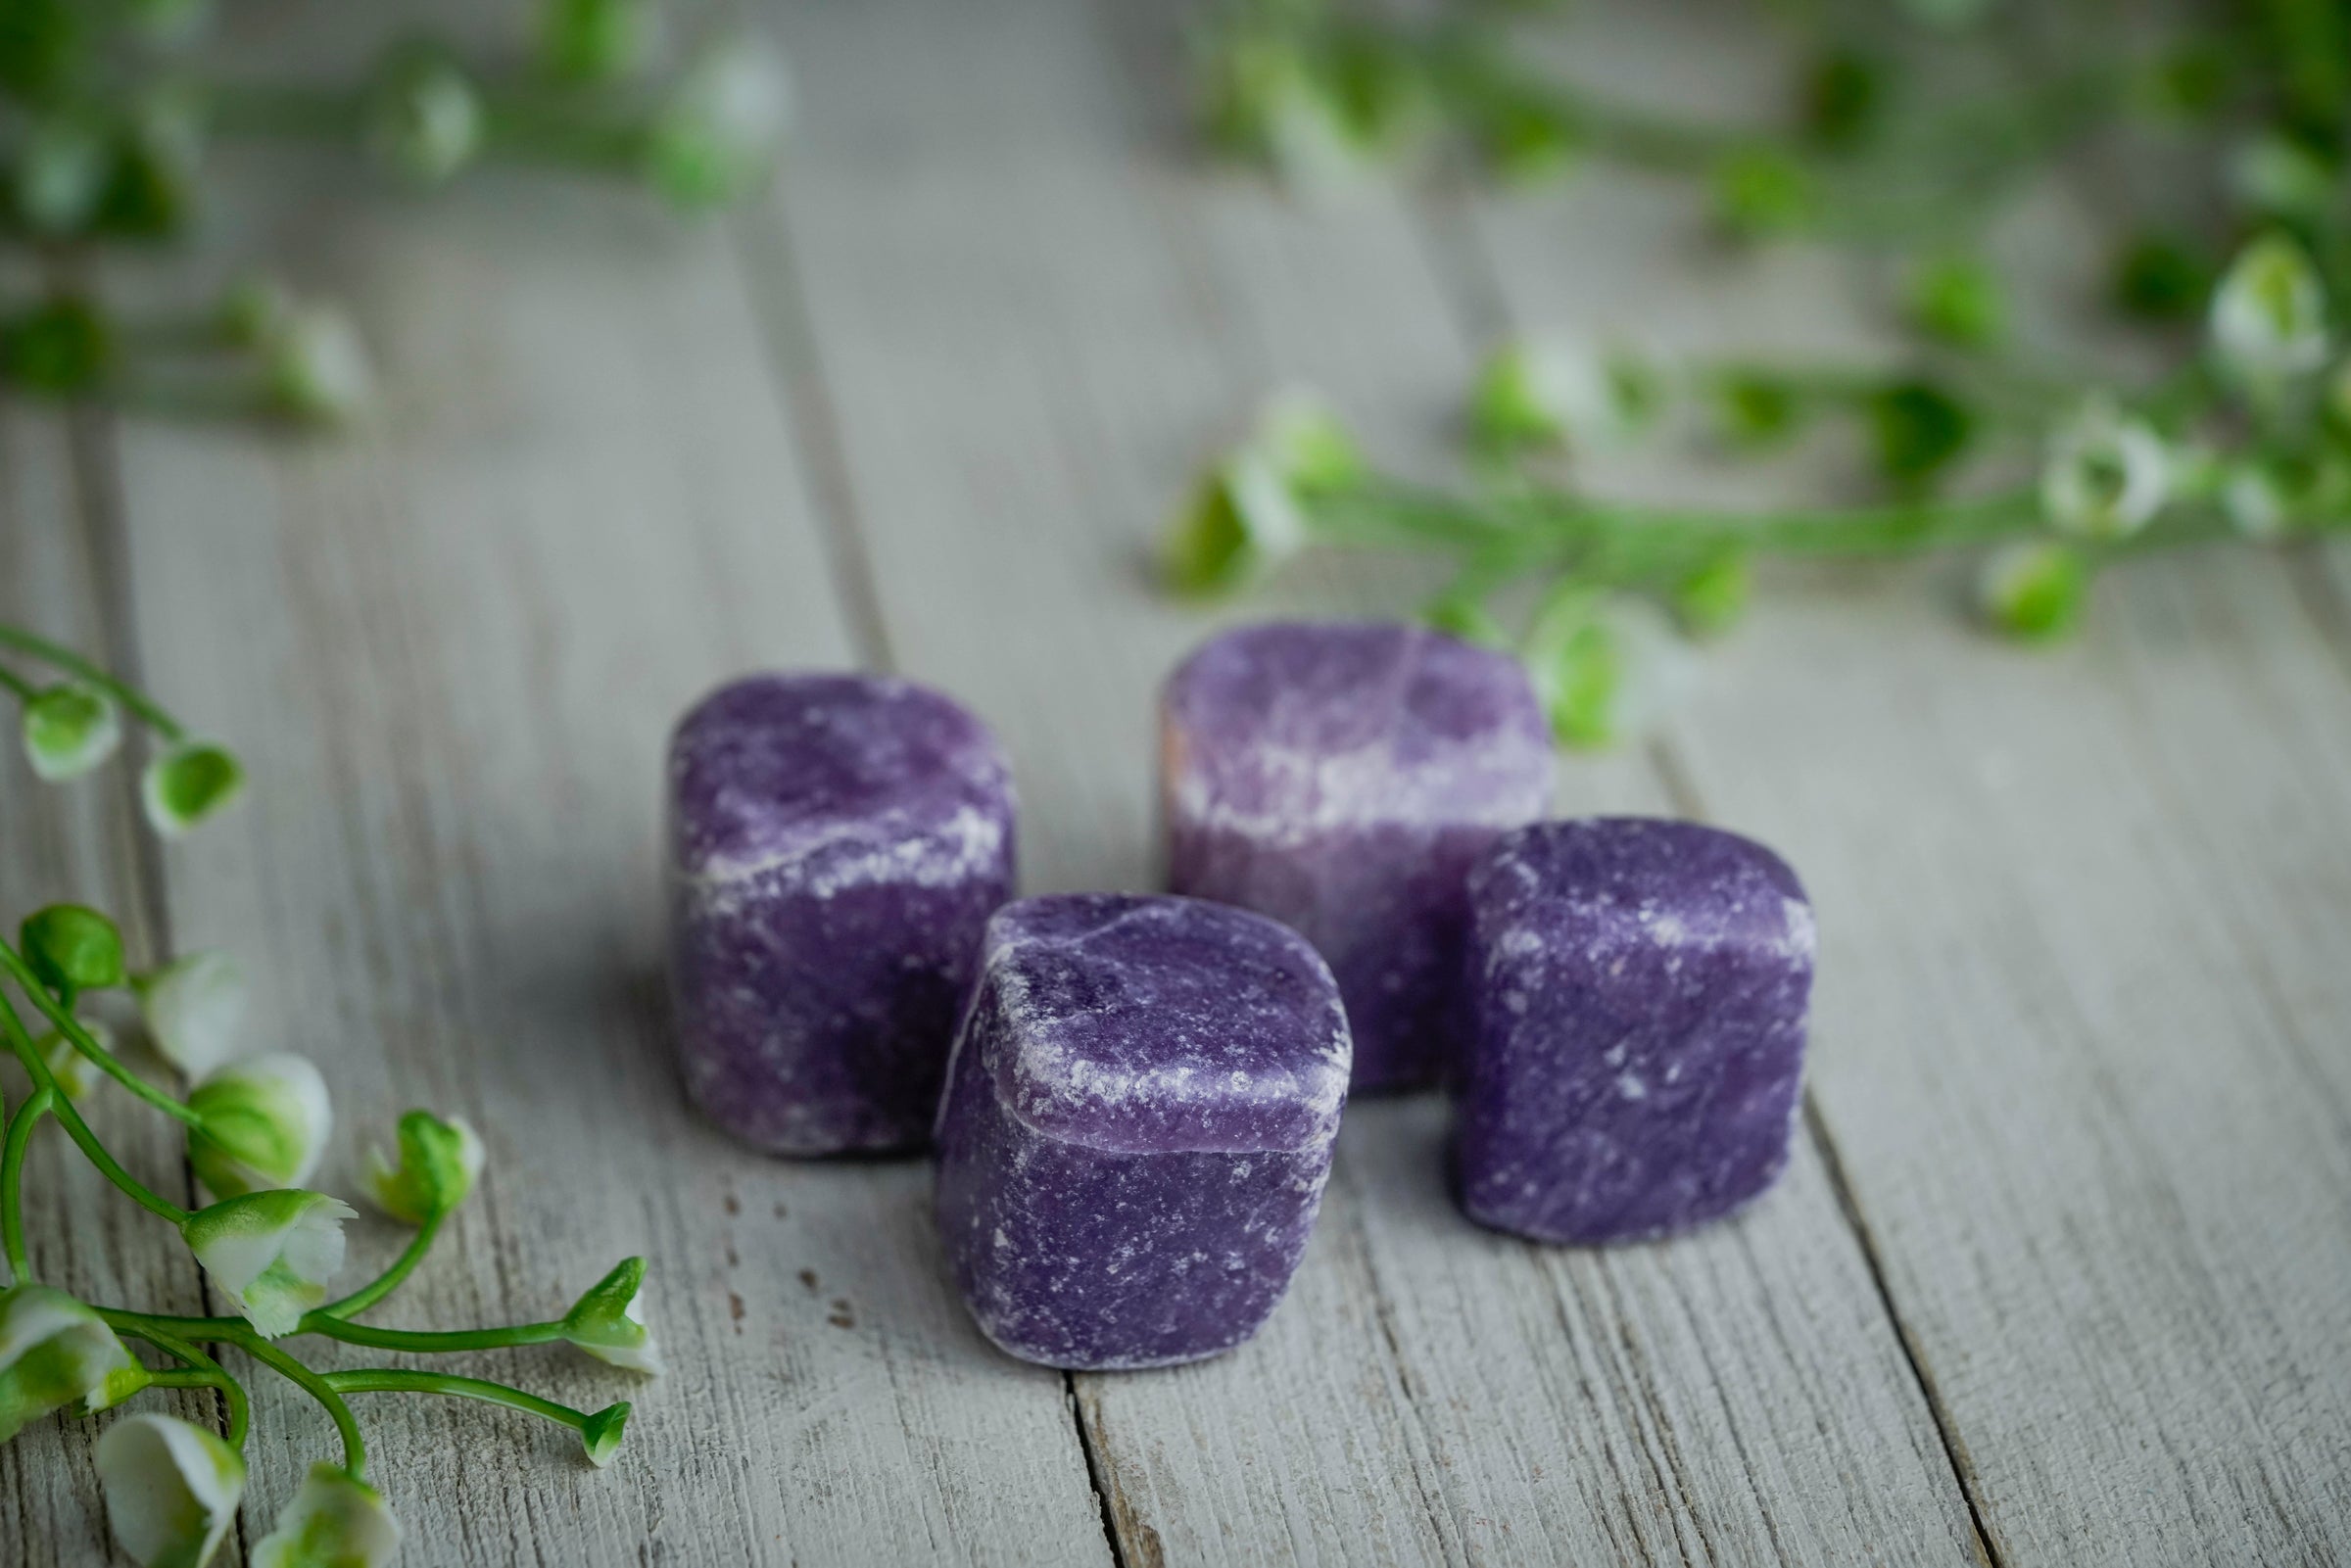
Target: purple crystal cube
[1341, 778]
[1138, 1126]
[1640, 991]
[836, 845]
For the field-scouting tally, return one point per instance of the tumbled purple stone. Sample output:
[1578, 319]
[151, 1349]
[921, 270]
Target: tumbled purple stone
[1640, 991]
[836, 845]
[1137, 1127]
[1341, 778]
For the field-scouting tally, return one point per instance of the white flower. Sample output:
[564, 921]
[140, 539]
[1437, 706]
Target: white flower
[266, 1123]
[719, 133]
[425, 122]
[609, 1322]
[194, 1008]
[54, 1352]
[438, 1162]
[315, 366]
[2269, 314]
[1542, 395]
[270, 1252]
[171, 1489]
[76, 1075]
[2106, 477]
[70, 729]
[334, 1522]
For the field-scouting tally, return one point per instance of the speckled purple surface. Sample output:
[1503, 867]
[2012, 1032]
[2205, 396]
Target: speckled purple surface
[836, 845]
[1640, 991]
[1341, 778]
[1137, 1127]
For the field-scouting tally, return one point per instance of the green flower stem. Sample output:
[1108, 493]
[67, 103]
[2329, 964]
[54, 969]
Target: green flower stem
[395, 1380]
[531, 129]
[36, 1106]
[61, 1017]
[274, 111]
[202, 1373]
[77, 1129]
[390, 1280]
[162, 1331]
[11, 680]
[420, 1342]
[354, 1448]
[147, 710]
[431, 1343]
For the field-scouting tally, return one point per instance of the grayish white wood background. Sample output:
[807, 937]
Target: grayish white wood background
[2062, 1272]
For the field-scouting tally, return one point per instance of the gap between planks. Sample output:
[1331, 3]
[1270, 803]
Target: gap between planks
[1473, 287]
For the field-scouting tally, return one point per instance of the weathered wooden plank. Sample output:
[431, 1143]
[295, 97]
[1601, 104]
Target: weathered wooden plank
[450, 647]
[2082, 923]
[74, 844]
[1033, 322]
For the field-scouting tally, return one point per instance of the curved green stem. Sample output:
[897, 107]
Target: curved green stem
[148, 711]
[390, 1280]
[203, 1371]
[354, 1448]
[62, 1018]
[12, 1180]
[431, 1343]
[11, 680]
[420, 1342]
[395, 1380]
[77, 1129]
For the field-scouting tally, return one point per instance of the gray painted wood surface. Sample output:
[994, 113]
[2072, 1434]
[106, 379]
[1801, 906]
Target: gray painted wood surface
[2061, 1273]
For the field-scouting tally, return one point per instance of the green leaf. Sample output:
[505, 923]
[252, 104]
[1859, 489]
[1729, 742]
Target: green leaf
[1764, 193]
[1843, 98]
[591, 41]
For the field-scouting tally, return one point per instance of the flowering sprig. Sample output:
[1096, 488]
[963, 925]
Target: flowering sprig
[2248, 446]
[104, 127]
[256, 1127]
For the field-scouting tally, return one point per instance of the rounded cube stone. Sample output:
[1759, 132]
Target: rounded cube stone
[1341, 778]
[1640, 991]
[837, 843]
[1138, 1126]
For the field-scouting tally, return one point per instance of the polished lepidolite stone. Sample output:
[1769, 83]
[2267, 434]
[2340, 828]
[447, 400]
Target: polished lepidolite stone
[1137, 1127]
[836, 845]
[1640, 991]
[1341, 778]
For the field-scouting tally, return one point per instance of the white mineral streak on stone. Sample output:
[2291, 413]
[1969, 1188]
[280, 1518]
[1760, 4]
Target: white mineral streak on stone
[888, 850]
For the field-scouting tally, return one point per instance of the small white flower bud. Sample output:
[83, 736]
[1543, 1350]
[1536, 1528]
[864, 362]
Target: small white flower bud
[195, 1010]
[71, 730]
[1530, 394]
[609, 1322]
[56, 1353]
[332, 1522]
[316, 367]
[266, 1123]
[439, 1162]
[188, 784]
[270, 1252]
[2106, 476]
[719, 133]
[2269, 314]
[171, 1489]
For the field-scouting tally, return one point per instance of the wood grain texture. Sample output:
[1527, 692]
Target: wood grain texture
[2082, 923]
[449, 647]
[74, 844]
[1035, 316]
